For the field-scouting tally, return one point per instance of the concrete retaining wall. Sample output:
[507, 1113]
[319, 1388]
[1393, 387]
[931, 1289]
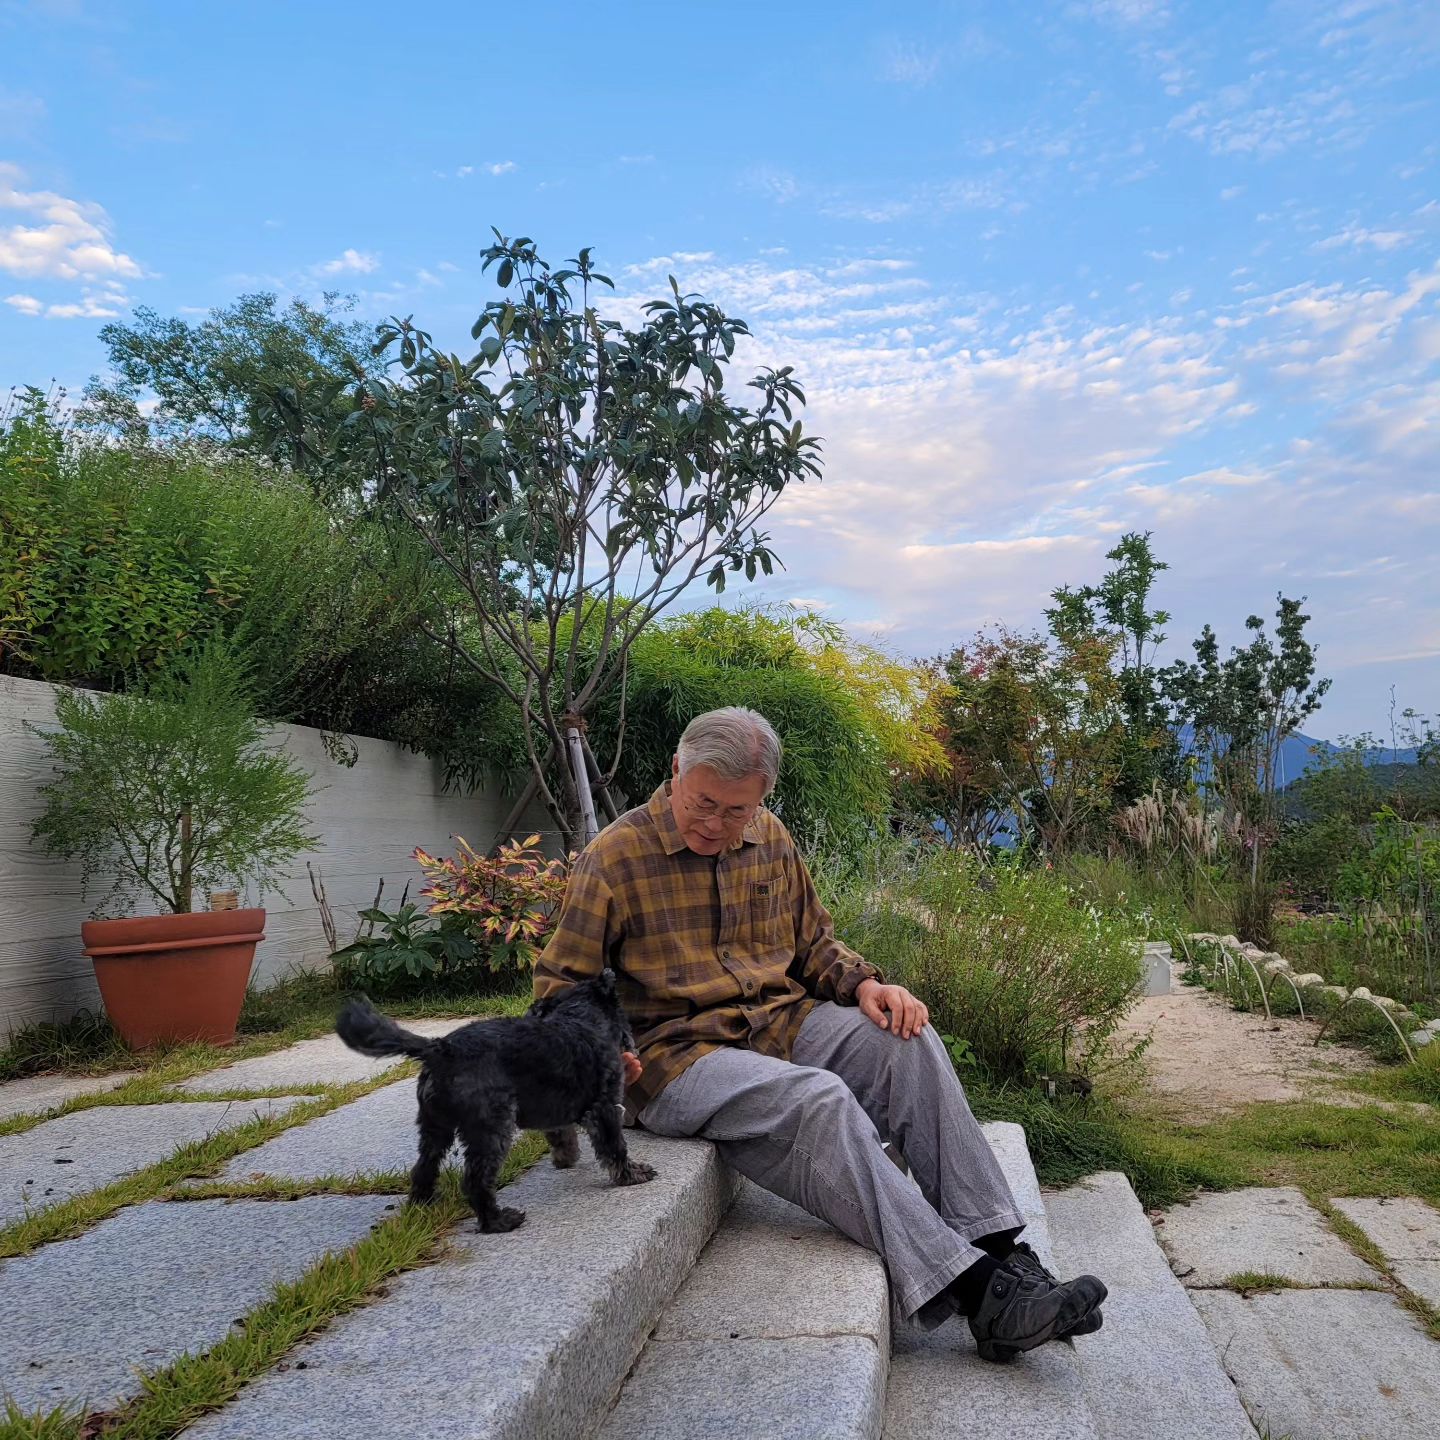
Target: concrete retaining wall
[369, 818]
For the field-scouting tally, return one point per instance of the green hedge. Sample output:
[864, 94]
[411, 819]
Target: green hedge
[112, 561]
[833, 781]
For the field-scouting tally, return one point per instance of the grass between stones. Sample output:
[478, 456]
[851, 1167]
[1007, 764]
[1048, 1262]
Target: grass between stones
[178, 1394]
[199, 1158]
[1325, 1151]
[1261, 1282]
[1368, 1250]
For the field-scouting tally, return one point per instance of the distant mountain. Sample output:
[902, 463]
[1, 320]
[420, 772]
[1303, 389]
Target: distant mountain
[1299, 752]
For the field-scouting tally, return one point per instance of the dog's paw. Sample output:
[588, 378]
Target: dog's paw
[634, 1172]
[503, 1219]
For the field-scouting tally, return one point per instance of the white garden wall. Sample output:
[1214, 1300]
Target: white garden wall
[369, 818]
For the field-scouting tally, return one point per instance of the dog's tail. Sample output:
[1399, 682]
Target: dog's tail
[365, 1029]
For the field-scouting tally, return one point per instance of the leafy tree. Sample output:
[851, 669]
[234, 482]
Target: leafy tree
[573, 476]
[211, 380]
[1120, 604]
[1036, 732]
[1242, 709]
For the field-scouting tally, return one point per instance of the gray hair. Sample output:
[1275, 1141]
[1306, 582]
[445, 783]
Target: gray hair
[734, 742]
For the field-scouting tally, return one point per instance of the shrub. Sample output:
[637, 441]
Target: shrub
[834, 776]
[487, 917]
[170, 789]
[1009, 960]
[113, 561]
[506, 901]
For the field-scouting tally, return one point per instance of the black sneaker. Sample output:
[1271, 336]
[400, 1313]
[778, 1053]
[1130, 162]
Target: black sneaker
[1023, 1309]
[1023, 1257]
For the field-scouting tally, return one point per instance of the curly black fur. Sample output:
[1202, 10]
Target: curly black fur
[552, 1069]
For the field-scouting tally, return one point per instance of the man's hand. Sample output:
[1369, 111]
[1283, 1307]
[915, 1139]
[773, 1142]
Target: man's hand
[892, 1007]
[631, 1061]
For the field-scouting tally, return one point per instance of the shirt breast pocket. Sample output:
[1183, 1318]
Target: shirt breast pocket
[772, 926]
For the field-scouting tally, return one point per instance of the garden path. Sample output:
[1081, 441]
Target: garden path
[1207, 1059]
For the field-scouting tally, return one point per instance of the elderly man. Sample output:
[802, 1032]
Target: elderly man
[757, 1029]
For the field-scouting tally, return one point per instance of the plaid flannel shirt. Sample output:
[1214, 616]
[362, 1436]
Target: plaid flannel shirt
[733, 949]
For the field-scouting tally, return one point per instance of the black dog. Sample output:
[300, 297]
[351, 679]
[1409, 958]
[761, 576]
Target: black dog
[551, 1069]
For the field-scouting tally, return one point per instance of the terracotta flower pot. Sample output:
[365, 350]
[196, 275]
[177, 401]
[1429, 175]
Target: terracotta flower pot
[174, 977]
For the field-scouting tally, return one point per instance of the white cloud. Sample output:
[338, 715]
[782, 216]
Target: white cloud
[105, 303]
[350, 262]
[1236, 121]
[924, 201]
[975, 457]
[1123, 12]
[777, 185]
[491, 167]
[1357, 237]
[60, 239]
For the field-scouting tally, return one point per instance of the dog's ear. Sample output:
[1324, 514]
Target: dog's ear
[605, 982]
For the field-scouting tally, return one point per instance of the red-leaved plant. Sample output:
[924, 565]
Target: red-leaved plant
[506, 902]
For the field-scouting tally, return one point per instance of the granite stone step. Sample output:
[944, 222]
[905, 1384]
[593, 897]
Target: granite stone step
[522, 1336]
[373, 1135]
[1151, 1370]
[782, 1329]
[1407, 1230]
[938, 1388]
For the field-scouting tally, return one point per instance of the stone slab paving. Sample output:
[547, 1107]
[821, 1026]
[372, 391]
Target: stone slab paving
[39, 1093]
[325, 1060]
[90, 1148]
[939, 1388]
[782, 1328]
[368, 1136]
[1407, 1231]
[523, 1336]
[1151, 1370]
[152, 1283]
[1274, 1231]
[1327, 1364]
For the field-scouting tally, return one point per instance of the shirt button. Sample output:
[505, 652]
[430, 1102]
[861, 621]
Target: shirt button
[726, 955]
[749, 987]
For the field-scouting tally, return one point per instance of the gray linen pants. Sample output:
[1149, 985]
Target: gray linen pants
[810, 1130]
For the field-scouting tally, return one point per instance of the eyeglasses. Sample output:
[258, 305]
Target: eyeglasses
[709, 810]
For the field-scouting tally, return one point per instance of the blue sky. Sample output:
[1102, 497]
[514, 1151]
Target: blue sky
[1050, 272]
